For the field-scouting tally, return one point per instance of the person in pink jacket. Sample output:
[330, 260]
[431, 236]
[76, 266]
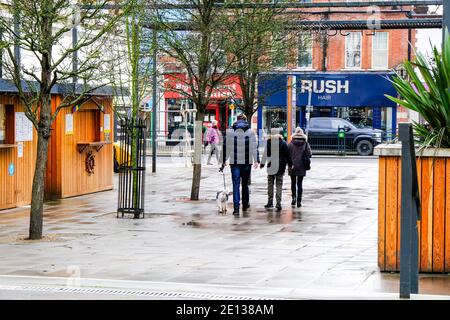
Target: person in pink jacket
[212, 138]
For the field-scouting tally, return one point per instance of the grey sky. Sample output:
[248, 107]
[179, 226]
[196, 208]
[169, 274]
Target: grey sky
[424, 36]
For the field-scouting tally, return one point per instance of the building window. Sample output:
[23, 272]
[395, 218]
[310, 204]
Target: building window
[380, 51]
[305, 51]
[353, 50]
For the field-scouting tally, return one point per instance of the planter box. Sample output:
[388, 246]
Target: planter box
[433, 170]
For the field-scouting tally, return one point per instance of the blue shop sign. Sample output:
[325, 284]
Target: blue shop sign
[362, 89]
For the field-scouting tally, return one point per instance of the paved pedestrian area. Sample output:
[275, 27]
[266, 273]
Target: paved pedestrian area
[328, 244]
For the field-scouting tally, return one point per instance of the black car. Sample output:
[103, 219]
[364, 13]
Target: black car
[323, 135]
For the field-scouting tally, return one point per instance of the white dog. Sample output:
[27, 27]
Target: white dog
[222, 197]
[222, 201]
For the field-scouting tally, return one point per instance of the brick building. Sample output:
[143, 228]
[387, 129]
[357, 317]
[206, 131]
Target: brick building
[364, 56]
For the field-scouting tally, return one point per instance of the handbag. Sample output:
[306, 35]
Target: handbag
[306, 160]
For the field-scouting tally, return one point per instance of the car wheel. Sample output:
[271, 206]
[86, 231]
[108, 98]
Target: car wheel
[364, 148]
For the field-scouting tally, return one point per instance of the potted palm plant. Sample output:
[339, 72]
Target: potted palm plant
[426, 90]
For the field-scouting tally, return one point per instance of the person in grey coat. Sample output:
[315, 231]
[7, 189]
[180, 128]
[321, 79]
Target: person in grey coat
[297, 147]
[276, 155]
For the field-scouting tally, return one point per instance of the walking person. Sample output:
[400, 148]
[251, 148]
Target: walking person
[240, 148]
[212, 139]
[300, 153]
[277, 156]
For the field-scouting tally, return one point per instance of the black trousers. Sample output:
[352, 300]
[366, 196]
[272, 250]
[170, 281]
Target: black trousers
[297, 187]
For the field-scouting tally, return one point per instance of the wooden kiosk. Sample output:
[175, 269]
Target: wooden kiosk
[80, 158]
[81, 151]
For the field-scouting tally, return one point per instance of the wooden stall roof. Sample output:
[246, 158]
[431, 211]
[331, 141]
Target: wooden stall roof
[8, 87]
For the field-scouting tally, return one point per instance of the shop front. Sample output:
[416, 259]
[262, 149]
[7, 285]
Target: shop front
[180, 111]
[358, 97]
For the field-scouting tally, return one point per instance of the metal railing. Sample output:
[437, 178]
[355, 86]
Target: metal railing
[332, 145]
[166, 146]
[346, 145]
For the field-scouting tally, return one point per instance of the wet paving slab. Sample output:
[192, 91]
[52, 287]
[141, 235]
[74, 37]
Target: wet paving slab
[331, 242]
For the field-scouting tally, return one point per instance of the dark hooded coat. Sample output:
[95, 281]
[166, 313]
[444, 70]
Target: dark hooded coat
[297, 147]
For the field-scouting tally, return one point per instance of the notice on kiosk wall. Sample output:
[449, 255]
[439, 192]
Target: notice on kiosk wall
[69, 123]
[107, 122]
[24, 127]
[20, 150]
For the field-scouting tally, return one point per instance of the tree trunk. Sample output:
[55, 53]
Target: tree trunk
[249, 114]
[37, 194]
[196, 176]
[197, 166]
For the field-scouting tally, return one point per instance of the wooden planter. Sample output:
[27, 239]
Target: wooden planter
[433, 166]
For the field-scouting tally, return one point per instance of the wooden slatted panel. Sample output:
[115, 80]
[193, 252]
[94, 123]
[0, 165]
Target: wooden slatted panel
[399, 210]
[426, 247]
[25, 167]
[447, 216]
[438, 240]
[419, 181]
[382, 214]
[52, 162]
[391, 213]
[25, 172]
[7, 182]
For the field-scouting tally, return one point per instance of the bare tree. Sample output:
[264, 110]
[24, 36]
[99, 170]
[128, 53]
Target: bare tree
[41, 29]
[200, 50]
[260, 42]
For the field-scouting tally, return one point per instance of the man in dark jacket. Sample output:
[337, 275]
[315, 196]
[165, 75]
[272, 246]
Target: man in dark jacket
[277, 156]
[240, 147]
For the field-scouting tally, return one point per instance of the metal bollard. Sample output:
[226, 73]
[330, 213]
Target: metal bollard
[410, 214]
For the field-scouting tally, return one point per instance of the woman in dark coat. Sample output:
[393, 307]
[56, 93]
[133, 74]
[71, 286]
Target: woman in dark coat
[297, 147]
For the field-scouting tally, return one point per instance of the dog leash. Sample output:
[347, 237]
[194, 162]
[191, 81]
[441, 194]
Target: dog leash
[224, 183]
